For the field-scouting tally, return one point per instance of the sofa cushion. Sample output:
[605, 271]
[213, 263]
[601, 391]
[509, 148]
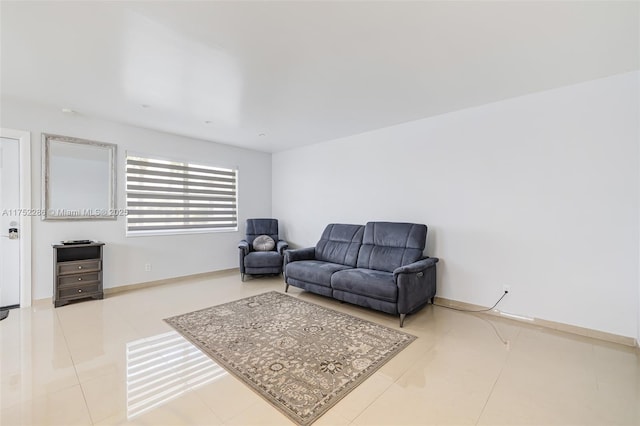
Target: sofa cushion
[313, 288]
[313, 271]
[263, 259]
[366, 301]
[340, 243]
[389, 245]
[366, 282]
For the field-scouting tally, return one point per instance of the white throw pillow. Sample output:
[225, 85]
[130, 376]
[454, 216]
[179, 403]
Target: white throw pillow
[263, 243]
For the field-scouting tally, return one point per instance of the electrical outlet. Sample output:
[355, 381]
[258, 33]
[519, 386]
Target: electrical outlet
[506, 288]
[147, 267]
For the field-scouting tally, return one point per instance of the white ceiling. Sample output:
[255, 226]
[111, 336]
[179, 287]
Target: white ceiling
[301, 72]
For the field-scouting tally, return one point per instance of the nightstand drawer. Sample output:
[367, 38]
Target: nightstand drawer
[78, 279]
[80, 291]
[65, 268]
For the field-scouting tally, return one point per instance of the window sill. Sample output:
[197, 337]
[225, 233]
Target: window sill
[177, 232]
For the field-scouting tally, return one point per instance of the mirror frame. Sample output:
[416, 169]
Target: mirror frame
[110, 213]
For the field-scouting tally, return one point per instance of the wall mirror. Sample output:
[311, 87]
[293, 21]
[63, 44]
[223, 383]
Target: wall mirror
[79, 178]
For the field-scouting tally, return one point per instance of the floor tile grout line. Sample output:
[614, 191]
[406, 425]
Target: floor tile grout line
[66, 342]
[230, 419]
[372, 402]
[504, 364]
[33, 398]
[595, 369]
[388, 387]
[200, 398]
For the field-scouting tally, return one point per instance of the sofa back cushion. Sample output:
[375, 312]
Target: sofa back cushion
[257, 227]
[389, 245]
[340, 243]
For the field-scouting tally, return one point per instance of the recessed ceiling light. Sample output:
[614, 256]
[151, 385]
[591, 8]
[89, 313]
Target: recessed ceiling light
[69, 111]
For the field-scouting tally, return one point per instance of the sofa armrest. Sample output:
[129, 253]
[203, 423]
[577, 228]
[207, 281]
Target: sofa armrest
[296, 255]
[415, 267]
[281, 246]
[416, 284]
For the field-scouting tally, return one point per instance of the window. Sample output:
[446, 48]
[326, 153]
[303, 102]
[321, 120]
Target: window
[175, 197]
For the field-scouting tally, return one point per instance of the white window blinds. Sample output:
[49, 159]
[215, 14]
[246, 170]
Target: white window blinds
[169, 196]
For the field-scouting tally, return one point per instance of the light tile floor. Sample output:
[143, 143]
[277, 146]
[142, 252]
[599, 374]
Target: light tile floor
[68, 366]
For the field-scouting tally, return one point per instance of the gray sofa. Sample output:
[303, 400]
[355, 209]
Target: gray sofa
[379, 266]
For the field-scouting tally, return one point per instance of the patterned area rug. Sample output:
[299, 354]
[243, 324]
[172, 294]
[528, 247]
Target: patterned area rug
[299, 356]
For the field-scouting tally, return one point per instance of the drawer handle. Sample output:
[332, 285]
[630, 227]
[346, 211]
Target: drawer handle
[79, 267]
[80, 279]
[79, 290]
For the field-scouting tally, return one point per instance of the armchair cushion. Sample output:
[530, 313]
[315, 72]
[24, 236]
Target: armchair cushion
[258, 227]
[263, 259]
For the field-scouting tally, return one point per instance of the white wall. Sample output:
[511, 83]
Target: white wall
[538, 192]
[171, 255]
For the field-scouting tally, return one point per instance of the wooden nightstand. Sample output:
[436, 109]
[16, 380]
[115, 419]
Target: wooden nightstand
[77, 272]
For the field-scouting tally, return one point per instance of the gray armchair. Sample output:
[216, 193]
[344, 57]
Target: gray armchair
[260, 262]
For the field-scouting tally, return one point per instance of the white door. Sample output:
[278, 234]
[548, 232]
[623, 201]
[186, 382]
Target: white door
[9, 222]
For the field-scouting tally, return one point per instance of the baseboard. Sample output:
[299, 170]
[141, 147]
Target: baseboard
[567, 328]
[42, 303]
[147, 284]
[131, 287]
[581, 331]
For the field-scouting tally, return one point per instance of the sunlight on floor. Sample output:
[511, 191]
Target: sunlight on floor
[163, 367]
